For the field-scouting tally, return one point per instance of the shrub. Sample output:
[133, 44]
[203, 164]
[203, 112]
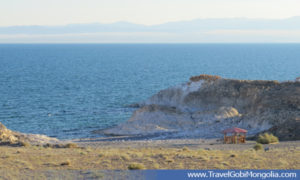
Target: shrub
[24, 144]
[71, 145]
[168, 160]
[267, 138]
[125, 157]
[204, 77]
[48, 145]
[258, 146]
[66, 163]
[136, 166]
[83, 153]
[185, 148]
[100, 155]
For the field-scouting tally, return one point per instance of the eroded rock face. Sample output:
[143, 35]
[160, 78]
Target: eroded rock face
[289, 130]
[204, 108]
[11, 137]
[7, 136]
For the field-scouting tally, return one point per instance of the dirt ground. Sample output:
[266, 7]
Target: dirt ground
[208, 144]
[92, 156]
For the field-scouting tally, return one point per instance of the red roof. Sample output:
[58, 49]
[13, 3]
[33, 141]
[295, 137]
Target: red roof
[234, 130]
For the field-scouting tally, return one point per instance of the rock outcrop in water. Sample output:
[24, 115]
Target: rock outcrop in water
[207, 104]
[8, 137]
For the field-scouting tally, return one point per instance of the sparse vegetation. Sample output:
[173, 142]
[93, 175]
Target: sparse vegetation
[258, 146]
[17, 159]
[204, 77]
[267, 138]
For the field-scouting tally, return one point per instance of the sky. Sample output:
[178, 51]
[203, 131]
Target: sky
[147, 12]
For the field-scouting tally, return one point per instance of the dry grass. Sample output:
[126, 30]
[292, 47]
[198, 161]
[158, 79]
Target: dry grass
[40, 158]
[16, 160]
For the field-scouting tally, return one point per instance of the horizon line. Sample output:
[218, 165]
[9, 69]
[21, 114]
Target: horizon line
[124, 21]
[146, 43]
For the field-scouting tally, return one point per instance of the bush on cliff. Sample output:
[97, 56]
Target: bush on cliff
[204, 77]
[267, 138]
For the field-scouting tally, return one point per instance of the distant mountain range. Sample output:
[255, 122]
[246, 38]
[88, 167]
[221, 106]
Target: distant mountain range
[198, 25]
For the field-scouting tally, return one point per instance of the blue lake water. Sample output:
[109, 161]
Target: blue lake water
[67, 91]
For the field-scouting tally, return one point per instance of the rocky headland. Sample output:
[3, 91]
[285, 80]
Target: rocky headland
[205, 105]
[9, 137]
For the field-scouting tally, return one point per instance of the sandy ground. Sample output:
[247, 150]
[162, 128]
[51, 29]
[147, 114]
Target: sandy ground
[98, 158]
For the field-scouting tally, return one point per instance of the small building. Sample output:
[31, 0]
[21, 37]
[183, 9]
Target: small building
[234, 135]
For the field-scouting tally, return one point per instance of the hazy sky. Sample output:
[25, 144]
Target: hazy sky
[59, 12]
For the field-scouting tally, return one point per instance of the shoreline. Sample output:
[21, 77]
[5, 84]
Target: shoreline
[197, 143]
[88, 156]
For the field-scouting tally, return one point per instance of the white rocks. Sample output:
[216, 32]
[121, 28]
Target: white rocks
[11, 137]
[174, 96]
[204, 108]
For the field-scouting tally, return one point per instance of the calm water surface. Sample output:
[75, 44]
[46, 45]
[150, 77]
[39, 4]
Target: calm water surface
[67, 91]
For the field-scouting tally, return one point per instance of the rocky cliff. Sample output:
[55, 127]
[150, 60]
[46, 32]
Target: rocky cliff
[8, 137]
[206, 105]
